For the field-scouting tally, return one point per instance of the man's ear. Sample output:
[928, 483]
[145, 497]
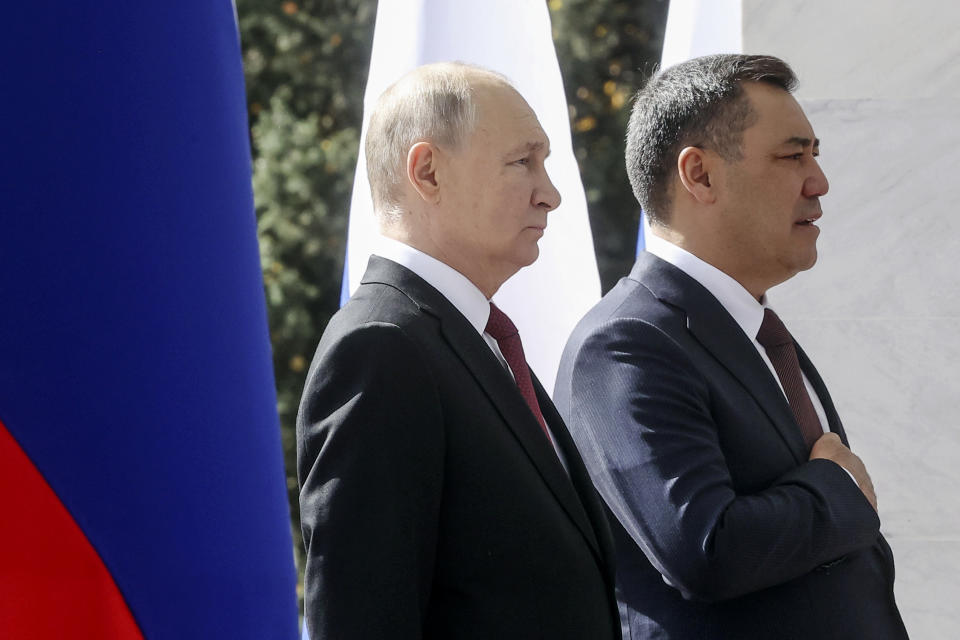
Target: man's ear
[693, 166]
[422, 161]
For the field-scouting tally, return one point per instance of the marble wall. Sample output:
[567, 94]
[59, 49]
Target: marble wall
[879, 312]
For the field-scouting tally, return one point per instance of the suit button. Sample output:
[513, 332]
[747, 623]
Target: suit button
[826, 566]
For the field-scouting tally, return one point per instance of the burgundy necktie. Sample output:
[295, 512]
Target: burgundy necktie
[778, 342]
[508, 339]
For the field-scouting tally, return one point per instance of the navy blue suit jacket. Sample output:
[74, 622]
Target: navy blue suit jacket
[431, 503]
[723, 528]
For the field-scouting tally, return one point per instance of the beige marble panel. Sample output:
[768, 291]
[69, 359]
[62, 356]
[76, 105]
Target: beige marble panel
[880, 316]
[927, 573]
[900, 404]
[860, 48]
[890, 234]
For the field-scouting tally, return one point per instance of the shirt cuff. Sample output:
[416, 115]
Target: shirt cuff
[851, 477]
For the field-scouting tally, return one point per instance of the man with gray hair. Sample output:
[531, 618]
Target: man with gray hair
[737, 507]
[440, 493]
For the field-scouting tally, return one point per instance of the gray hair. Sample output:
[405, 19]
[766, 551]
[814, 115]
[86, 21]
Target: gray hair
[697, 103]
[433, 103]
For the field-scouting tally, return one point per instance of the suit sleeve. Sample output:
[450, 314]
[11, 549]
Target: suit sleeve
[370, 457]
[644, 425]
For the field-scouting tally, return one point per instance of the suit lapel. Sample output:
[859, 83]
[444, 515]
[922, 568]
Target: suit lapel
[503, 393]
[596, 529]
[499, 387]
[719, 334]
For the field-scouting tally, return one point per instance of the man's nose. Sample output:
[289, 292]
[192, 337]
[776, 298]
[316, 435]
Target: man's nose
[546, 195]
[816, 183]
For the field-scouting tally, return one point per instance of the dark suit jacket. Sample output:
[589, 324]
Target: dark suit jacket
[431, 503]
[723, 528]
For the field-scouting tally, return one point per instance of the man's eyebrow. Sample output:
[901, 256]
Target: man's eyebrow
[529, 147]
[803, 142]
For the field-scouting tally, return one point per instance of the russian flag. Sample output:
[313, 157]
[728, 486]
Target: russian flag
[141, 480]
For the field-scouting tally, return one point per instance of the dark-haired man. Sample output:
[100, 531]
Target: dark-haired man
[440, 493]
[738, 509]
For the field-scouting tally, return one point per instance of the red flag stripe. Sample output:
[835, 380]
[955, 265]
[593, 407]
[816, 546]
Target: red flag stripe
[52, 581]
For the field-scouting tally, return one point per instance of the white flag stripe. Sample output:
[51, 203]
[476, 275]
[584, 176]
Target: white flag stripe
[514, 38]
[701, 27]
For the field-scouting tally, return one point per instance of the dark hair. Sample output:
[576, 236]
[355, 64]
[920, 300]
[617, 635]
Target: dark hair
[698, 103]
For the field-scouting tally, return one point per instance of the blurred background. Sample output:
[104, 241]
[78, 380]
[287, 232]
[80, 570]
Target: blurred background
[306, 67]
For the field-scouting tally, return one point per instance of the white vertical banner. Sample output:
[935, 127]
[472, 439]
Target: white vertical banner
[700, 28]
[512, 37]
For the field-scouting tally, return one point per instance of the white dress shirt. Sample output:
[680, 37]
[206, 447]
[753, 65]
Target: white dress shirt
[457, 289]
[746, 311]
[452, 285]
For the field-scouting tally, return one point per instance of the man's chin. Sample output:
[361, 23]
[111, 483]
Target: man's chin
[528, 255]
[804, 264]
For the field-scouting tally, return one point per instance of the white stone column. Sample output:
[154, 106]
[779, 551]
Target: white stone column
[880, 312]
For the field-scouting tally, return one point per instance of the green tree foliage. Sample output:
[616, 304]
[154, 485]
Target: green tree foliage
[606, 49]
[306, 66]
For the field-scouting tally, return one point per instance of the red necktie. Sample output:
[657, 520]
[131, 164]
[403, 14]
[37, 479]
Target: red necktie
[778, 343]
[508, 339]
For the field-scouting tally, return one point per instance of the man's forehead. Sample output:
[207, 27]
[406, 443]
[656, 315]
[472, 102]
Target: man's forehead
[524, 138]
[504, 113]
[502, 102]
[781, 118]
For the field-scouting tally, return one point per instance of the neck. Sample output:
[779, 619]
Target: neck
[722, 258]
[482, 278]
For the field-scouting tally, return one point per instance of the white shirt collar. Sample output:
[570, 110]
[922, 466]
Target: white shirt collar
[746, 311]
[453, 285]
